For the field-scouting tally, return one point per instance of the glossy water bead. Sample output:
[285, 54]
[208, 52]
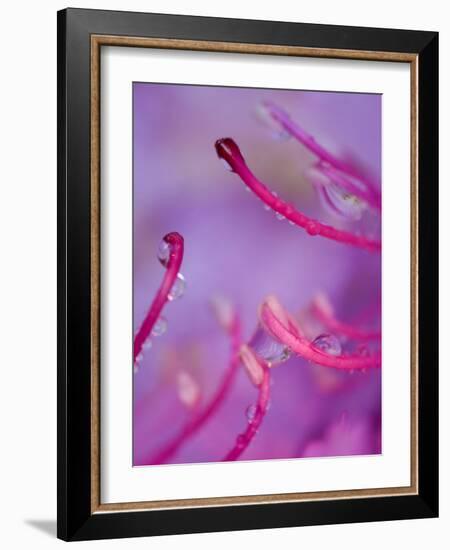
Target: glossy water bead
[163, 252]
[250, 412]
[160, 326]
[328, 343]
[269, 349]
[178, 288]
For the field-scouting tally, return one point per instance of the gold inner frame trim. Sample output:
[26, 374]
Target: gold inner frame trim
[97, 41]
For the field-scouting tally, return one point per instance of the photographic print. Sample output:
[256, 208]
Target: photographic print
[257, 274]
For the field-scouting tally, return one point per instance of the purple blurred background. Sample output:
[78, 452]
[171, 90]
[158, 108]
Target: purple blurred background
[233, 247]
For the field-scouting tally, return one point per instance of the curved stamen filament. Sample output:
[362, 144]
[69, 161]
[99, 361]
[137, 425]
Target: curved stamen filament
[228, 150]
[285, 121]
[200, 419]
[323, 311]
[299, 344]
[244, 439]
[176, 249]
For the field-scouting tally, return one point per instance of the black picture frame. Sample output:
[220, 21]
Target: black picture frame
[76, 519]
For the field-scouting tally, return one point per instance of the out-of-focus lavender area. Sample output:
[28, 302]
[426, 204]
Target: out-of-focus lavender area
[235, 248]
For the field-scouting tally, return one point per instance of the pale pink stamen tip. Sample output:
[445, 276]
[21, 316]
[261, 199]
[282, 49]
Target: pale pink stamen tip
[188, 389]
[276, 308]
[273, 108]
[252, 365]
[223, 310]
[322, 303]
[272, 307]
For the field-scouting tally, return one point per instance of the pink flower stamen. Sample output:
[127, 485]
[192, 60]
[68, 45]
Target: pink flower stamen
[228, 150]
[201, 418]
[323, 311]
[347, 183]
[252, 365]
[262, 380]
[287, 333]
[175, 244]
[289, 126]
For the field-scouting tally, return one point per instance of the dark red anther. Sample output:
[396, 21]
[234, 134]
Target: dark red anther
[228, 151]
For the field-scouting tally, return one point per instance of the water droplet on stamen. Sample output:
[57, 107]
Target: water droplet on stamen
[329, 344]
[226, 164]
[159, 327]
[278, 204]
[250, 412]
[266, 207]
[335, 199]
[344, 204]
[178, 288]
[147, 344]
[269, 349]
[164, 252]
[138, 361]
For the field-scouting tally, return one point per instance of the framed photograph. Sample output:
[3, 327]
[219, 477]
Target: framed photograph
[247, 253]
